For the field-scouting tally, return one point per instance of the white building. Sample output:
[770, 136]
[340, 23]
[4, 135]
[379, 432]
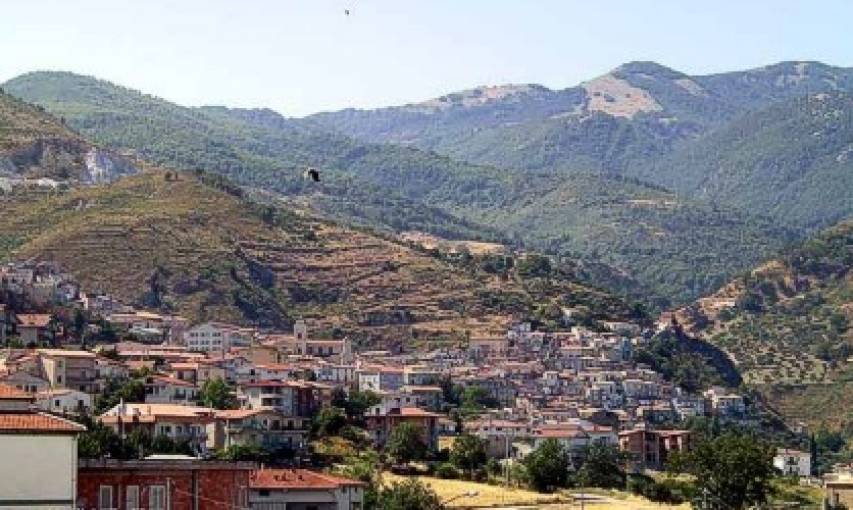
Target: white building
[216, 337]
[64, 401]
[38, 468]
[793, 462]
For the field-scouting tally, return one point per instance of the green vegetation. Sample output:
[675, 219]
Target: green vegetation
[405, 443]
[790, 329]
[548, 466]
[99, 441]
[681, 361]
[410, 494]
[217, 394]
[654, 247]
[731, 471]
[794, 165]
[468, 453]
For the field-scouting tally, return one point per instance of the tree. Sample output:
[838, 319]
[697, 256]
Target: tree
[448, 390]
[733, 471]
[468, 453]
[355, 403]
[216, 393]
[329, 422]
[602, 467]
[548, 466]
[410, 494]
[246, 452]
[98, 441]
[79, 325]
[475, 398]
[405, 443]
[117, 391]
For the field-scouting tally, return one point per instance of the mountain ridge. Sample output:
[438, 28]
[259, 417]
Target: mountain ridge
[401, 188]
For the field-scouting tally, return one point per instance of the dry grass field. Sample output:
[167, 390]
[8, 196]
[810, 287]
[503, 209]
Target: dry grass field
[489, 496]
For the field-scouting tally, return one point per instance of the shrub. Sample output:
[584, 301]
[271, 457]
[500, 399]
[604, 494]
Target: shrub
[447, 471]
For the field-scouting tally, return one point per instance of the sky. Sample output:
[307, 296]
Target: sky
[304, 56]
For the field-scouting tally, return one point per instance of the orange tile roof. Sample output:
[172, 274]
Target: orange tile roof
[417, 411]
[10, 392]
[236, 414]
[163, 379]
[38, 423]
[37, 320]
[297, 479]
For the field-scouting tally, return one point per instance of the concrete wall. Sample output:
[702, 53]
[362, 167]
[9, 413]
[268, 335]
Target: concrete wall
[39, 471]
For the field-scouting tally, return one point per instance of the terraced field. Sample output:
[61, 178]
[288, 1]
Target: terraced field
[184, 243]
[789, 327]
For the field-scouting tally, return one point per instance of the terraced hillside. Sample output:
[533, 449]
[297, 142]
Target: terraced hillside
[193, 245]
[789, 326]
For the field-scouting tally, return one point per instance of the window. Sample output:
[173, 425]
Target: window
[131, 498]
[157, 497]
[105, 497]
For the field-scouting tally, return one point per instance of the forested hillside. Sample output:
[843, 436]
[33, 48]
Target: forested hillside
[654, 246]
[637, 111]
[792, 160]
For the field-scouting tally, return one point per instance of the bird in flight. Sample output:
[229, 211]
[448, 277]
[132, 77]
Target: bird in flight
[346, 11]
[312, 174]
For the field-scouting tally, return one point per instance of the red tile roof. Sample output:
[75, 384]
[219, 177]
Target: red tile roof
[10, 392]
[37, 320]
[11, 423]
[417, 411]
[297, 479]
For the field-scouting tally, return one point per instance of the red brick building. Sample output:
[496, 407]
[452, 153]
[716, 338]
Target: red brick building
[650, 449]
[163, 484]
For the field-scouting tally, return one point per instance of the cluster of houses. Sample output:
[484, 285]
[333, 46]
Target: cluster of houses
[577, 386]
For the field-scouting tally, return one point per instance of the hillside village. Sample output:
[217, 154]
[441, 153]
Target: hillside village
[216, 398]
[617, 290]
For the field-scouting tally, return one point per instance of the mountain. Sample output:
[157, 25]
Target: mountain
[772, 140]
[34, 144]
[638, 110]
[661, 249]
[788, 325]
[792, 160]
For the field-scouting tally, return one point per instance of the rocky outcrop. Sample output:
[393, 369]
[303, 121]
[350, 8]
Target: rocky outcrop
[102, 166]
[63, 160]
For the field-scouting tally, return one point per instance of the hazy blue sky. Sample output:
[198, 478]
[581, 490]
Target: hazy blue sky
[304, 56]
